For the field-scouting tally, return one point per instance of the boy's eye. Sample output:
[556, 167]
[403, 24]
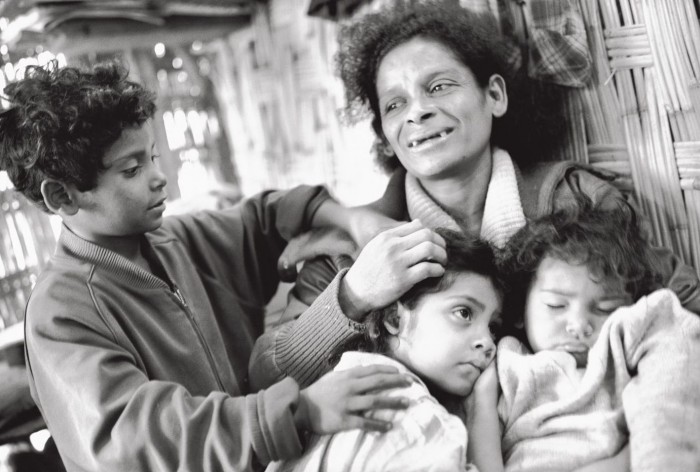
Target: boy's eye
[555, 306]
[131, 171]
[465, 313]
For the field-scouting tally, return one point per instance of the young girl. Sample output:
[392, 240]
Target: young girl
[586, 380]
[441, 332]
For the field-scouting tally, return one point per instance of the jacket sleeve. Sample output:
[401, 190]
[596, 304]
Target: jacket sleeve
[662, 344]
[302, 347]
[105, 414]
[240, 246]
[676, 275]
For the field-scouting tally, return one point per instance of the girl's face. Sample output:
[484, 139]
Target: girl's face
[446, 339]
[566, 307]
[434, 114]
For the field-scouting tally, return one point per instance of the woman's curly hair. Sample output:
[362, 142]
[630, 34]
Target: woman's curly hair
[531, 127]
[610, 242]
[464, 254]
[61, 121]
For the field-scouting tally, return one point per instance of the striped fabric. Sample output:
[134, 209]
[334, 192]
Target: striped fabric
[503, 212]
[558, 49]
[425, 437]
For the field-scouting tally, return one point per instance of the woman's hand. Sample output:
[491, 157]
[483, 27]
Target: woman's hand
[391, 263]
[360, 225]
[338, 400]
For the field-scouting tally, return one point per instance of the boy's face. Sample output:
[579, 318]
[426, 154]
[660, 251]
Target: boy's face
[129, 198]
[565, 308]
[446, 339]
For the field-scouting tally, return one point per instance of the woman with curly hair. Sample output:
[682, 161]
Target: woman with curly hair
[435, 80]
[601, 372]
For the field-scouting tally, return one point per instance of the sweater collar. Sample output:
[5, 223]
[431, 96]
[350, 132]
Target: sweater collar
[111, 262]
[503, 211]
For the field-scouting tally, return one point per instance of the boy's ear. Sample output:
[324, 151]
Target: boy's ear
[58, 198]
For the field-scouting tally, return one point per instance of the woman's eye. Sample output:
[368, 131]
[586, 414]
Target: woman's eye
[391, 107]
[438, 88]
[465, 313]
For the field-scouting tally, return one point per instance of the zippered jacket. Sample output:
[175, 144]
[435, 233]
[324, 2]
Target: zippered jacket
[136, 372]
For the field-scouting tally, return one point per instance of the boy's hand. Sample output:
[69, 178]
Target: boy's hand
[391, 263]
[315, 243]
[337, 401]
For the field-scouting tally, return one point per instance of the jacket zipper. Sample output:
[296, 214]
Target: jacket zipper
[202, 341]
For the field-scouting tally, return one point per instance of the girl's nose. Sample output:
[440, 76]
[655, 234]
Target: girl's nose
[579, 326]
[486, 345]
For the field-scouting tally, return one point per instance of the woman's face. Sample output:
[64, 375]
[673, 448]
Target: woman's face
[434, 114]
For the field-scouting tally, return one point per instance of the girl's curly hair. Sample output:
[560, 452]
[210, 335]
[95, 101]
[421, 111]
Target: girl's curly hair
[533, 125]
[61, 121]
[464, 254]
[610, 242]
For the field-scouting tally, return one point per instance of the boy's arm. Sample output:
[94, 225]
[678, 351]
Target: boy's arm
[661, 341]
[484, 447]
[105, 414]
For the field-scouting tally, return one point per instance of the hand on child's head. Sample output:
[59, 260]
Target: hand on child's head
[340, 399]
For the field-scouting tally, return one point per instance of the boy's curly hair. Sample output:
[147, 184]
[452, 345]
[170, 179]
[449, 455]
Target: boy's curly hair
[533, 117]
[610, 242]
[464, 254]
[61, 121]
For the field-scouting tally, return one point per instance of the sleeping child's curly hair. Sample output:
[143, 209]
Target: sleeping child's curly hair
[464, 254]
[610, 242]
[61, 121]
[532, 118]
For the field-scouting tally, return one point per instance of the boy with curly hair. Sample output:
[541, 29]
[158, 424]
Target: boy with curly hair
[601, 371]
[139, 330]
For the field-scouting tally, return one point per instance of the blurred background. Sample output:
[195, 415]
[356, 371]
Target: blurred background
[248, 100]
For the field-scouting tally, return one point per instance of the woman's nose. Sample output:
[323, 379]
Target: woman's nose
[419, 110]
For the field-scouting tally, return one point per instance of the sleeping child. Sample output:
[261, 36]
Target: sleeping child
[602, 372]
[441, 333]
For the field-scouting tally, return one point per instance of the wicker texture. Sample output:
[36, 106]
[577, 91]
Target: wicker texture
[640, 111]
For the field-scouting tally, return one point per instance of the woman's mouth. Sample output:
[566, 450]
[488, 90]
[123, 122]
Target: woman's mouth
[429, 139]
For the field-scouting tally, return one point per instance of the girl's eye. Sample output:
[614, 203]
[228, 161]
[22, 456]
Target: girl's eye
[465, 313]
[555, 306]
[496, 328]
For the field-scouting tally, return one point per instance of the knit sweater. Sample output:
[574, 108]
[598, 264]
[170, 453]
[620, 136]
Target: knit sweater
[641, 385]
[423, 438]
[134, 372]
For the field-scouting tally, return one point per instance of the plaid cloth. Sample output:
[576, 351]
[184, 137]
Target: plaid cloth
[558, 49]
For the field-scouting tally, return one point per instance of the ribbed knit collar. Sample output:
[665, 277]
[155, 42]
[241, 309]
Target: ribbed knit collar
[108, 260]
[503, 211]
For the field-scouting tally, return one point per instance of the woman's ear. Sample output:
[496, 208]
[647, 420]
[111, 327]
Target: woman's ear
[498, 95]
[58, 198]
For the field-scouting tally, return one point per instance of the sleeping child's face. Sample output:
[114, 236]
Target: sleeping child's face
[446, 339]
[566, 307]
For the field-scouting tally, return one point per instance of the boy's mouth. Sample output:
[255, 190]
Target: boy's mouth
[158, 204]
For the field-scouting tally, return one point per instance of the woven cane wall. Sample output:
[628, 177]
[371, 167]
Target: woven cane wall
[639, 114]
